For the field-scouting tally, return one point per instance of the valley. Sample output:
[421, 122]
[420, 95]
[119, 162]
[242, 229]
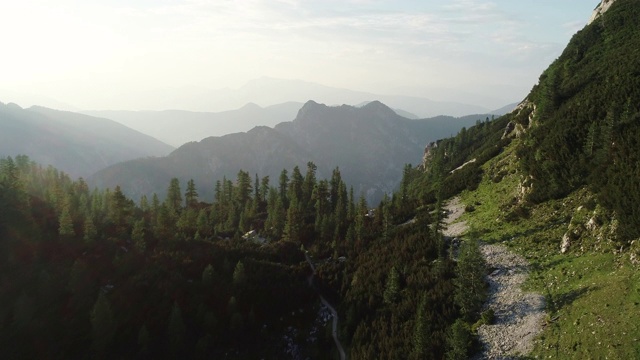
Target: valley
[295, 228]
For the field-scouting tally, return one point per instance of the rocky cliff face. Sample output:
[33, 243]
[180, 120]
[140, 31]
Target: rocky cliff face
[601, 9]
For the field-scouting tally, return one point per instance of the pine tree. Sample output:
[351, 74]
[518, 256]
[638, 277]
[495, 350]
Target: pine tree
[191, 195]
[283, 186]
[137, 236]
[392, 287]
[174, 196]
[459, 341]
[293, 226]
[90, 231]
[202, 224]
[309, 183]
[176, 331]
[208, 276]
[420, 331]
[103, 325]
[295, 185]
[119, 210]
[65, 222]
[144, 203]
[264, 188]
[469, 282]
[243, 189]
[276, 215]
[239, 275]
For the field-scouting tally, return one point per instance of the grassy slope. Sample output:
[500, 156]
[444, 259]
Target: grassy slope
[593, 293]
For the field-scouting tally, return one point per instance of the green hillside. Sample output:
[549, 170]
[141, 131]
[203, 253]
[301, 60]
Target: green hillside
[558, 181]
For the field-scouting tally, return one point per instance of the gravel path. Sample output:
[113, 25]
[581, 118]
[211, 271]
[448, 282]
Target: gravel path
[454, 209]
[519, 316]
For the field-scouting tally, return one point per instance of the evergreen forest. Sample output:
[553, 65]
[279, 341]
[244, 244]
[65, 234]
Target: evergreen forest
[93, 274]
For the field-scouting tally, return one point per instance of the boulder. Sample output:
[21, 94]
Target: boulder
[566, 243]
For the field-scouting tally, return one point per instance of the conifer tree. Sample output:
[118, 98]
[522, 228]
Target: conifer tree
[174, 196]
[283, 186]
[208, 275]
[65, 222]
[458, 341]
[137, 236]
[264, 188]
[176, 331]
[191, 195]
[243, 189]
[90, 232]
[392, 287]
[202, 224]
[293, 226]
[103, 325]
[470, 286]
[239, 275]
[308, 184]
[420, 330]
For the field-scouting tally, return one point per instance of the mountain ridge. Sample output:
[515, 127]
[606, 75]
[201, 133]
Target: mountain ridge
[75, 143]
[367, 144]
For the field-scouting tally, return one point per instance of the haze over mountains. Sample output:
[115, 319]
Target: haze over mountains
[177, 127]
[548, 196]
[77, 144]
[267, 91]
[371, 145]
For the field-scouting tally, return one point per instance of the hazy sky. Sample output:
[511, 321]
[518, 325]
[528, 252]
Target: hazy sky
[95, 54]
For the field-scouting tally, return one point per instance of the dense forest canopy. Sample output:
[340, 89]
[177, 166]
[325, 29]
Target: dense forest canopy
[93, 273]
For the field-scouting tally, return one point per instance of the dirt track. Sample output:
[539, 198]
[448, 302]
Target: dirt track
[519, 316]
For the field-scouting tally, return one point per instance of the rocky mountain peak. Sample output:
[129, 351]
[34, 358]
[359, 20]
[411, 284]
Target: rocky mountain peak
[601, 9]
[378, 108]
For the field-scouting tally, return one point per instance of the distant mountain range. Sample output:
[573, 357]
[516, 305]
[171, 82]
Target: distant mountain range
[370, 144]
[178, 127]
[267, 91]
[74, 143]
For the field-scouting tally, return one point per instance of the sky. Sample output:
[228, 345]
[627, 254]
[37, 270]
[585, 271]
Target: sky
[92, 54]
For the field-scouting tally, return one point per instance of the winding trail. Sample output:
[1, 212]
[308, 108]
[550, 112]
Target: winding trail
[519, 316]
[333, 311]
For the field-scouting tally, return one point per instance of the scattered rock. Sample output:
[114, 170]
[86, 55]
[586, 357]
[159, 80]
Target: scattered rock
[519, 316]
[592, 225]
[566, 243]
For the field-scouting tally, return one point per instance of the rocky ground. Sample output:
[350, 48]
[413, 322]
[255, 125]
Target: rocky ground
[519, 316]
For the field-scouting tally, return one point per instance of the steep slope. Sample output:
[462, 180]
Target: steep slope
[261, 150]
[77, 144]
[557, 181]
[369, 144]
[585, 126]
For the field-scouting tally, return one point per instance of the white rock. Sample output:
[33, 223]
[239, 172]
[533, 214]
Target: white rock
[601, 9]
